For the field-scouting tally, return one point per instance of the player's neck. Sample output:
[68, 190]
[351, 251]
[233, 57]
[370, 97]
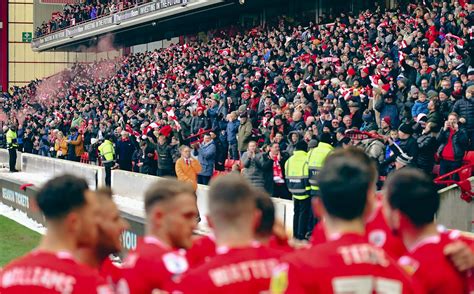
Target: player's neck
[57, 241]
[90, 257]
[413, 236]
[234, 238]
[336, 226]
[161, 235]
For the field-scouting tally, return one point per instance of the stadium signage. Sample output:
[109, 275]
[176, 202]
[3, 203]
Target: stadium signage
[108, 21]
[16, 197]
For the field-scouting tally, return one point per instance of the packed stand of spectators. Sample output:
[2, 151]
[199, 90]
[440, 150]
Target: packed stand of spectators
[397, 83]
[73, 14]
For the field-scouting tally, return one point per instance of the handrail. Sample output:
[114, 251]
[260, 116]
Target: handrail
[89, 20]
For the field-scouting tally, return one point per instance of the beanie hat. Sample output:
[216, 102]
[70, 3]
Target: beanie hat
[325, 138]
[406, 129]
[366, 70]
[387, 120]
[301, 146]
[404, 158]
[351, 72]
[312, 143]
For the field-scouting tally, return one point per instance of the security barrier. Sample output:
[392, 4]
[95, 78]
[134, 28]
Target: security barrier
[52, 167]
[4, 158]
[453, 213]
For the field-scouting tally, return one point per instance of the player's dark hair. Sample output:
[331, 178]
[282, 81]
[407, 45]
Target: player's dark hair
[230, 196]
[344, 181]
[413, 193]
[265, 206]
[164, 190]
[61, 195]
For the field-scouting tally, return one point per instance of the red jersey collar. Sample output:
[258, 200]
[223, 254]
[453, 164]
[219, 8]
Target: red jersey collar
[225, 249]
[434, 239]
[148, 239]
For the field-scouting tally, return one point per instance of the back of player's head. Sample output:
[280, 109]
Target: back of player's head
[344, 182]
[230, 198]
[414, 194]
[164, 190]
[104, 193]
[267, 209]
[61, 195]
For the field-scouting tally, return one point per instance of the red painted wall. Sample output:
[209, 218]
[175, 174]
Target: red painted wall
[4, 45]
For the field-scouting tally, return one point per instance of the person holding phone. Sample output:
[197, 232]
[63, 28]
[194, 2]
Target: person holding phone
[453, 142]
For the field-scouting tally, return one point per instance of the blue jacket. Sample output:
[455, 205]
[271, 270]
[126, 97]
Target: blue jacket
[232, 130]
[207, 157]
[124, 150]
[419, 107]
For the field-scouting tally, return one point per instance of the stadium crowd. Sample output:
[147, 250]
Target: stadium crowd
[85, 10]
[396, 83]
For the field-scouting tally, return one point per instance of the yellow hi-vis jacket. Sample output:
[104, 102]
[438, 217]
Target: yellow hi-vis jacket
[316, 158]
[296, 175]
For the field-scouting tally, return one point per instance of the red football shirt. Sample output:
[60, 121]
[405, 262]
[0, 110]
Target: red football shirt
[233, 270]
[431, 269]
[203, 249]
[347, 264]
[377, 232]
[47, 272]
[152, 266]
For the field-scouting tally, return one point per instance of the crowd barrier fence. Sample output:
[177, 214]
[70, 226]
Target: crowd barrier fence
[453, 213]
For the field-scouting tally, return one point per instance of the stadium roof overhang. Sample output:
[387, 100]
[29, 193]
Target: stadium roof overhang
[125, 25]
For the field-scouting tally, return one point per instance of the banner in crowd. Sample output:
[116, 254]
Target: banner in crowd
[108, 21]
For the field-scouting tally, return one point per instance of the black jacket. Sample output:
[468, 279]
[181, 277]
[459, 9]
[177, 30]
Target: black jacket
[460, 141]
[427, 146]
[165, 159]
[465, 109]
[410, 147]
[199, 122]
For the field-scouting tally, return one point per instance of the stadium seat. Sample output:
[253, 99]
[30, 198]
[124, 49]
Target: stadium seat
[469, 157]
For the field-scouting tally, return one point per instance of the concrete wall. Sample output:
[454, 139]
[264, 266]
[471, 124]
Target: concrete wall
[455, 213]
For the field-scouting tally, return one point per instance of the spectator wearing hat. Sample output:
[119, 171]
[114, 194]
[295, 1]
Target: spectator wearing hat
[388, 108]
[232, 129]
[124, 149]
[446, 104]
[407, 143]
[245, 133]
[453, 143]
[403, 160]
[200, 121]
[165, 159]
[465, 109]
[385, 126]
